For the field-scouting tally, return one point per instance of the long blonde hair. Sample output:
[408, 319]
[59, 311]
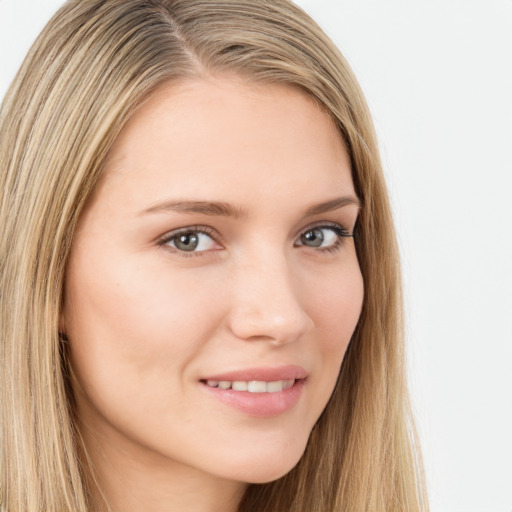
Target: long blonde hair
[92, 66]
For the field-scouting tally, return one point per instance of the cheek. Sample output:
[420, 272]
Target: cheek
[129, 321]
[133, 334]
[337, 306]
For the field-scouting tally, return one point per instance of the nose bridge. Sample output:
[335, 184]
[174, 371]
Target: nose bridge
[266, 302]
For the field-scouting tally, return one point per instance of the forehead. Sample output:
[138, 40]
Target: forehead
[223, 136]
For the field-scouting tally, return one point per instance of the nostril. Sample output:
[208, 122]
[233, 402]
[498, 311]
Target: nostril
[269, 326]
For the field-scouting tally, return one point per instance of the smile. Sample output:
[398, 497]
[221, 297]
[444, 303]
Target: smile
[258, 392]
[252, 386]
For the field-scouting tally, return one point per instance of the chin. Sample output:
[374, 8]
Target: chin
[266, 477]
[267, 468]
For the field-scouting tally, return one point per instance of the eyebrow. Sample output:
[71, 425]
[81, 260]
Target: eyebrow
[213, 208]
[222, 209]
[333, 204]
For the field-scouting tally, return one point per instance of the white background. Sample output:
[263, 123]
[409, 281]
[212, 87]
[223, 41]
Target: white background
[438, 78]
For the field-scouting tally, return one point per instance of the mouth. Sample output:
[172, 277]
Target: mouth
[251, 386]
[263, 392]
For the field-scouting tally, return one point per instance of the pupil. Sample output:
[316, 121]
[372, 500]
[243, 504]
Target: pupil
[313, 238]
[187, 242]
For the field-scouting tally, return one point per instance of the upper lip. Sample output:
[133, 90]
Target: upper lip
[265, 374]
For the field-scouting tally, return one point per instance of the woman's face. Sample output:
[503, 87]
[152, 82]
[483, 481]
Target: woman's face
[212, 290]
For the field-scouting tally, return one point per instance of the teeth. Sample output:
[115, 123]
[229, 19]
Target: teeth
[257, 386]
[253, 386]
[272, 387]
[239, 385]
[288, 383]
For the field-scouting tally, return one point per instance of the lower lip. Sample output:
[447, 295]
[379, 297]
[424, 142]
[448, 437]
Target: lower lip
[261, 405]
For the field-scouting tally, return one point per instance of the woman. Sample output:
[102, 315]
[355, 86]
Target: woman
[200, 290]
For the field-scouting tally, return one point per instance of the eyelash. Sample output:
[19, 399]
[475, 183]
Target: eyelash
[341, 232]
[162, 242]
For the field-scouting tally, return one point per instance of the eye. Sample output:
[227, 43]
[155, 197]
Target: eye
[327, 237]
[190, 240]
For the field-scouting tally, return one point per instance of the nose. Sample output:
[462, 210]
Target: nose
[266, 303]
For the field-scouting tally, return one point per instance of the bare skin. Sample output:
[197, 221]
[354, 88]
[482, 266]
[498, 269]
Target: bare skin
[216, 244]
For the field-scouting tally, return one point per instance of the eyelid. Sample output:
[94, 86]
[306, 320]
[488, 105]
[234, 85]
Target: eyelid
[163, 240]
[336, 226]
[206, 230]
[338, 229]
